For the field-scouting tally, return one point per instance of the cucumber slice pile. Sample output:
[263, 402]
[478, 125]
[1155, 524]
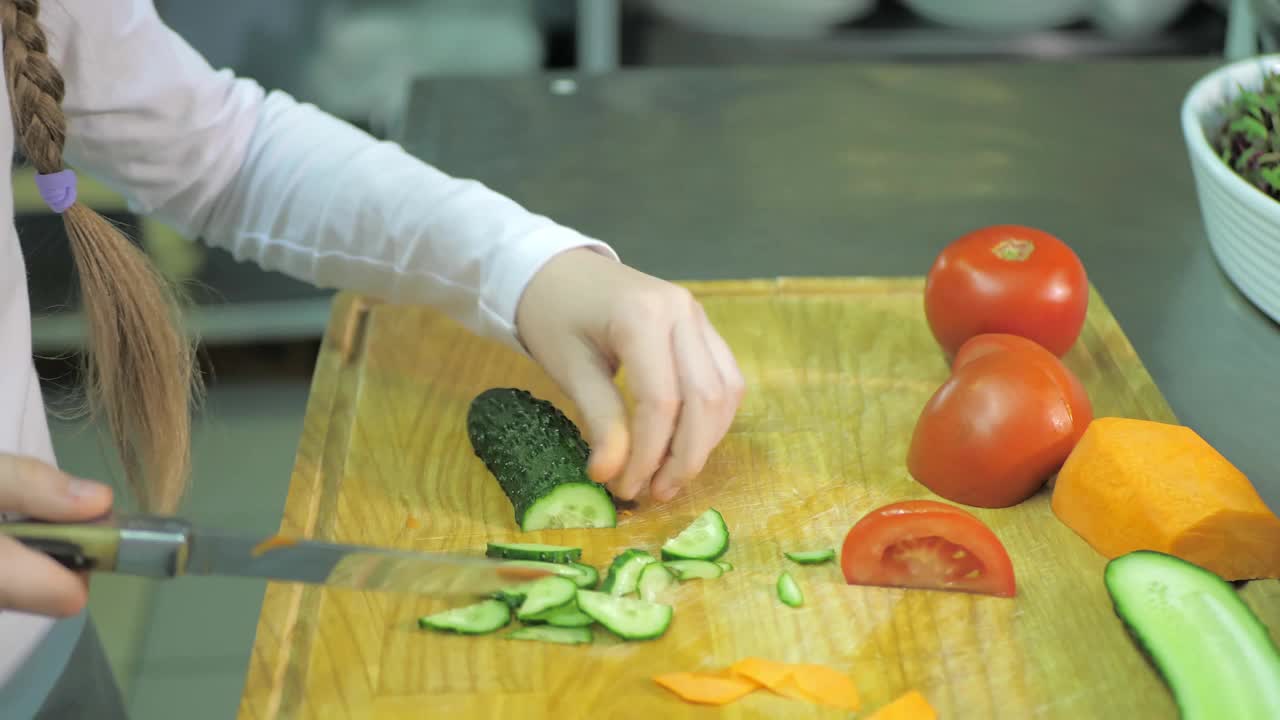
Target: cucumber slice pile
[563, 607]
[706, 538]
[533, 551]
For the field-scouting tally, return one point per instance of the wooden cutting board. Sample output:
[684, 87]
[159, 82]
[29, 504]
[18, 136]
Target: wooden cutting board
[838, 370]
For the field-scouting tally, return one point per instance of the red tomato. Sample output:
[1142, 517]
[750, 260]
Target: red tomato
[1072, 389]
[993, 433]
[1007, 279]
[926, 545]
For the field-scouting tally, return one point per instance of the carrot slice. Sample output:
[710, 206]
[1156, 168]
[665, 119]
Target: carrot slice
[910, 705]
[817, 684]
[1132, 484]
[828, 686]
[706, 688]
[769, 673]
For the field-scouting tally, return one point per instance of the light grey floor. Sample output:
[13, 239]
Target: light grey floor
[180, 648]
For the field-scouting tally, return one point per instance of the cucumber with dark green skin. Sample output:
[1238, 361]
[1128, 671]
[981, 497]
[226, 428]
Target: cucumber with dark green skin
[539, 459]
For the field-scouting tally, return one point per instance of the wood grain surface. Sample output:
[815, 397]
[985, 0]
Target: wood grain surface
[837, 370]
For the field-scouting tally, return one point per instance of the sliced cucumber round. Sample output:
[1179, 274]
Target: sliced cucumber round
[565, 616]
[587, 575]
[694, 569]
[811, 557]
[628, 618]
[547, 594]
[624, 571]
[548, 633]
[481, 618]
[788, 591]
[706, 538]
[571, 505]
[533, 551]
[655, 579]
[581, 575]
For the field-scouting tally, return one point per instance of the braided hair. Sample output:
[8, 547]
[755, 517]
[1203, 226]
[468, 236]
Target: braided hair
[139, 366]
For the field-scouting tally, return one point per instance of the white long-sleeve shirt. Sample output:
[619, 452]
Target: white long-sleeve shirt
[275, 182]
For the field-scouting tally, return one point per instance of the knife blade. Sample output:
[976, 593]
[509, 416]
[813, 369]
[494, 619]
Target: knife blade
[165, 547]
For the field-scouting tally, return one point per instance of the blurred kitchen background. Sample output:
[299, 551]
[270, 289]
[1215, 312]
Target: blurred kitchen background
[185, 645]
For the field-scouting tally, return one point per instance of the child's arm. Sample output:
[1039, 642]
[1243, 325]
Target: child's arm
[282, 184]
[295, 190]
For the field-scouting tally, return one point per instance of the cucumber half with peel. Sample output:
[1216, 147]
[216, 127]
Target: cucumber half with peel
[1214, 653]
[706, 538]
[481, 618]
[539, 459]
[628, 618]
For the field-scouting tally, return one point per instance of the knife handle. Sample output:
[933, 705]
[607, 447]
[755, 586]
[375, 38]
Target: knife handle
[75, 546]
[132, 545]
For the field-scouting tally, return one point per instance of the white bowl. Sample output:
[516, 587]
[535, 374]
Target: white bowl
[1241, 221]
[1002, 15]
[764, 18]
[1136, 18]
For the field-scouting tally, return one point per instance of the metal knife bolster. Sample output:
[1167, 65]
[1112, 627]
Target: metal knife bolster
[145, 545]
[153, 546]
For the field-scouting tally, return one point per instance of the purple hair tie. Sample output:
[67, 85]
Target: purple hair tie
[58, 190]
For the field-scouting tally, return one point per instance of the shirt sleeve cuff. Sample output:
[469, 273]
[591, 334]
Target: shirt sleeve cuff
[515, 266]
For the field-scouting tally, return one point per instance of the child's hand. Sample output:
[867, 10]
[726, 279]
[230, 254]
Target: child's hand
[31, 581]
[585, 315]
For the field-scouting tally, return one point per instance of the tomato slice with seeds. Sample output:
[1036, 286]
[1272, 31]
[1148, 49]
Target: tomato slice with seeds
[927, 545]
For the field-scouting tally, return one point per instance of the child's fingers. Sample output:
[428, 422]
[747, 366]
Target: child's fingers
[589, 383]
[703, 400]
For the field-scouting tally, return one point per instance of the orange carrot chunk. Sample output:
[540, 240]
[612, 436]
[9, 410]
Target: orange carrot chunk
[706, 688]
[1134, 484]
[910, 705]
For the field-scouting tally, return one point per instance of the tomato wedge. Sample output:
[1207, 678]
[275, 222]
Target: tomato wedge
[927, 545]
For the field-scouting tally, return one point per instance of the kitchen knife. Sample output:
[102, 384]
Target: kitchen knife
[164, 547]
